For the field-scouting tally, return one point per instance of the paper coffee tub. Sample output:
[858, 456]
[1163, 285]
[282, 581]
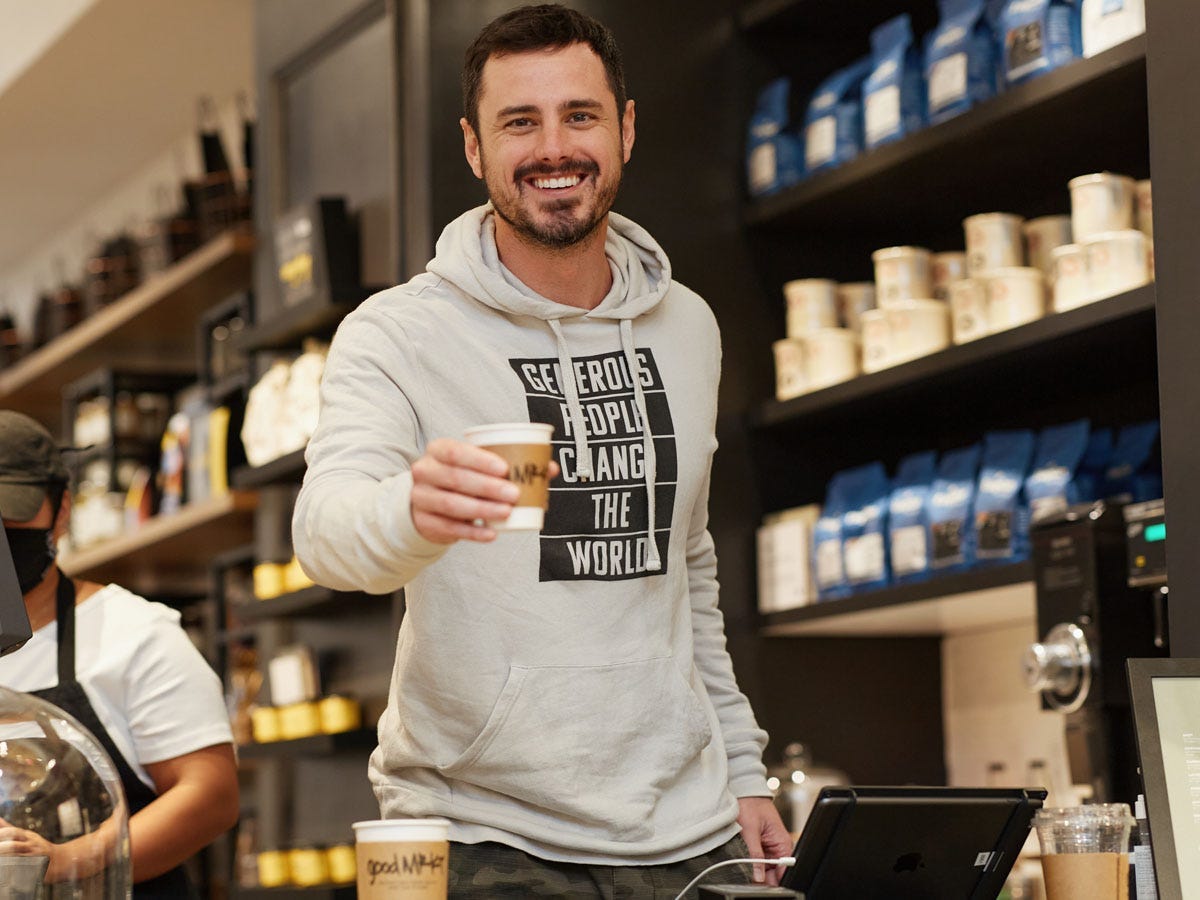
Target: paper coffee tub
[948, 267]
[993, 242]
[1099, 203]
[918, 327]
[854, 299]
[402, 859]
[968, 310]
[830, 356]
[876, 340]
[791, 379]
[1117, 262]
[525, 446]
[1042, 235]
[1071, 285]
[901, 273]
[811, 303]
[1015, 296]
[1144, 208]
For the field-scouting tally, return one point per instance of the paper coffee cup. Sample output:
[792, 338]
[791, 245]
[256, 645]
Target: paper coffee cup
[525, 446]
[403, 859]
[1101, 202]
[993, 242]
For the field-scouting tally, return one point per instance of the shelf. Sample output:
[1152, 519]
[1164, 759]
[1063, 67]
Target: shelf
[148, 329]
[170, 553]
[287, 329]
[317, 745]
[287, 469]
[953, 604]
[775, 18]
[1014, 152]
[313, 601]
[320, 892]
[1060, 346]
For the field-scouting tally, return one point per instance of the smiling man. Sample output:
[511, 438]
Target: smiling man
[564, 697]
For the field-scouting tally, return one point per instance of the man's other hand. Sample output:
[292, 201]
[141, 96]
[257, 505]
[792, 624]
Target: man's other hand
[764, 834]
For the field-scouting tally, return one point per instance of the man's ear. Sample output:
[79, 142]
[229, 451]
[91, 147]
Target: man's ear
[627, 130]
[63, 519]
[471, 148]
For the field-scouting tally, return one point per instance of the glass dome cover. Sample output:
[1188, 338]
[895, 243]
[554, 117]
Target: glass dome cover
[64, 824]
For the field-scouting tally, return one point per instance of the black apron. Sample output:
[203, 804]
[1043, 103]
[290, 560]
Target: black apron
[69, 695]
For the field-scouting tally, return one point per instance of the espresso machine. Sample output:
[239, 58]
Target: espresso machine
[1095, 609]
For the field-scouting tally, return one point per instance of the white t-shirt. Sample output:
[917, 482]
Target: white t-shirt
[150, 687]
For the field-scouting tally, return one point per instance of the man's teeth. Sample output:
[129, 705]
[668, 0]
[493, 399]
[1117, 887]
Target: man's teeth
[563, 182]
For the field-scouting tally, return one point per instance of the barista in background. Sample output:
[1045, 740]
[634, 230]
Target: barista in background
[125, 669]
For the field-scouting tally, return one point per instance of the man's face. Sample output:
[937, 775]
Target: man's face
[551, 142]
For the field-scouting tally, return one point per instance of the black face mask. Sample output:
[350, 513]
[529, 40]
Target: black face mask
[33, 554]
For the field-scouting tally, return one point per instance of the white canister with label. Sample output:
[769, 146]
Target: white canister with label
[1042, 235]
[830, 356]
[948, 267]
[1015, 296]
[1071, 285]
[876, 340]
[854, 299]
[1144, 208]
[993, 242]
[811, 303]
[1106, 23]
[790, 377]
[901, 273]
[918, 327]
[1117, 262]
[968, 310]
[1100, 203]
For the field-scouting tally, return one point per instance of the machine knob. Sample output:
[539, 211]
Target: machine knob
[1060, 667]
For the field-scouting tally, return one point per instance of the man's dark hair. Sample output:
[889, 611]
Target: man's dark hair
[539, 28]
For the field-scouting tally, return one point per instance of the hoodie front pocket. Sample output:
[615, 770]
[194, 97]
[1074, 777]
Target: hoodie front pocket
[596, 744]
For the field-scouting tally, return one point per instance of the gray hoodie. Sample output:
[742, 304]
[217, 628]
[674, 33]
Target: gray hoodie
[566, 692]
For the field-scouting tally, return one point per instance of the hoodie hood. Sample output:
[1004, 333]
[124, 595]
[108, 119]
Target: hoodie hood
[466, 256]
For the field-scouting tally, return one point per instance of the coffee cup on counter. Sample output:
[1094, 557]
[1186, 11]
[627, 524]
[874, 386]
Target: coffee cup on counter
[402, 859]
[525, 446]
[1085, 851]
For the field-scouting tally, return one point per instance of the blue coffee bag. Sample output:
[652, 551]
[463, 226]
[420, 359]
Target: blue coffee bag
[773, 156]
[1037, 36]
[864, 526]
[952, 539]
[1134, 472]
[960, 59]
[1089, 477]
[894, 92]
[1001, 515]
[833, 120]
[829, 571]
[908, 517]
[1051, 486]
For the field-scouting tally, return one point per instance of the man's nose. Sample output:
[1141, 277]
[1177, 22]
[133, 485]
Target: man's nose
[553, 142]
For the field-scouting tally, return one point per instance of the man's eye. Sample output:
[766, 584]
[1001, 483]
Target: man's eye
[520, 123]
[581, 117]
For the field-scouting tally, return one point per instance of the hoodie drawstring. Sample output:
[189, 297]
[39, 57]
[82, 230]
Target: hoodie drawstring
[583, 453]
[649, 461]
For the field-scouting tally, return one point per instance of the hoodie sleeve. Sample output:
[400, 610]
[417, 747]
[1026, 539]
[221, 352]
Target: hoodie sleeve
[352, 527]
[744, 740]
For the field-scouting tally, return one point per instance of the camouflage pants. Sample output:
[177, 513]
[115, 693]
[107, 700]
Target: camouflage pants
[486, 871]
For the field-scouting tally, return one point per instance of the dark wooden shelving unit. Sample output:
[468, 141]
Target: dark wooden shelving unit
[945, 604]
[316, 745]
[937, 176]
[284, 470]
[1122, 324]
[312, 601]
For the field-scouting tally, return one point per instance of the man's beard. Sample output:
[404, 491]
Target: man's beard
[563, 229]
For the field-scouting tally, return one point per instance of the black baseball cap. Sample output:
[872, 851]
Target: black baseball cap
[30, 463]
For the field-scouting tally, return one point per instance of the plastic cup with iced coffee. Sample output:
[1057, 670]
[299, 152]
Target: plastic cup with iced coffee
[1085, 851]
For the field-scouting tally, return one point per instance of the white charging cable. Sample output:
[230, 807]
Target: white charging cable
[783, 861]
